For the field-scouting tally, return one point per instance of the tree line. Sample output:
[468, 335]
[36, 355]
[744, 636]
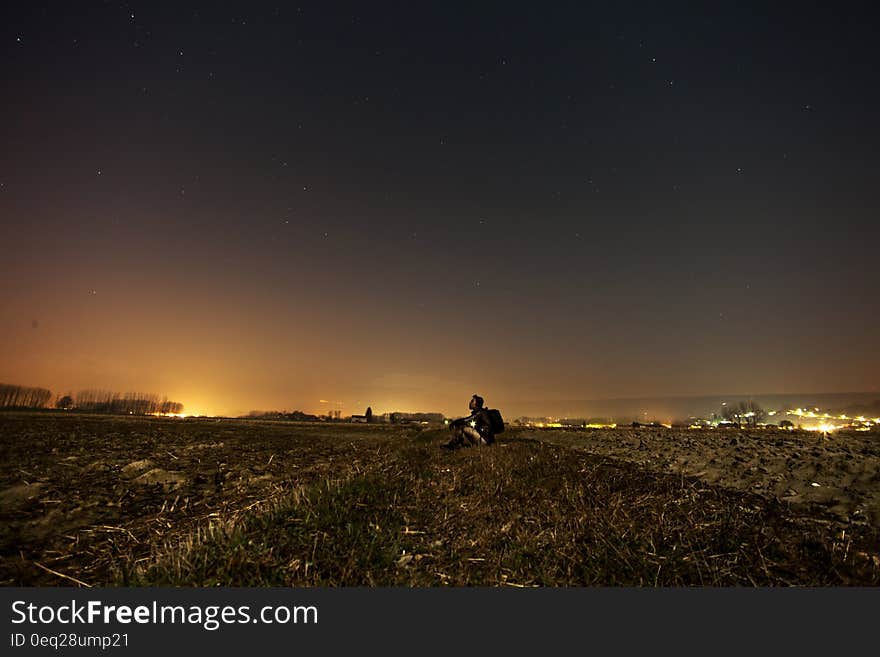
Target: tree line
[12, 396]
[749, 413]
[92, 401]
[133, 403]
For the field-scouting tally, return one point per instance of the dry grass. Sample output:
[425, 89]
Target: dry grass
[521, 514]
[279, 504]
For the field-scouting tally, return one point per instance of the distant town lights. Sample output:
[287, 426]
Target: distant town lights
[825, 427]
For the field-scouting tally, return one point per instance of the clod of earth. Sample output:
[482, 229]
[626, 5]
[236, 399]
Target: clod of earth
[167, 478]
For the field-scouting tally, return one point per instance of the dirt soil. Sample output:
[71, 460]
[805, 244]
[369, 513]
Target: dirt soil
[82, 494]
[836, 473]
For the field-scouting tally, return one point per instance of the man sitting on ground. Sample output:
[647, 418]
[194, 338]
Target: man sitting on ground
[475, 429]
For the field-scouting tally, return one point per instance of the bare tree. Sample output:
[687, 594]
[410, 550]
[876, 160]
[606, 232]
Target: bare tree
[129, 403]
[13, 396]
[748, 412]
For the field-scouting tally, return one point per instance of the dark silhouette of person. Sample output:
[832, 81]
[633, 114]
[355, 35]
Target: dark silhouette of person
[475, 429]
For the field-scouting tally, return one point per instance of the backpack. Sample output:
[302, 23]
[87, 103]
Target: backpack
[495, 420]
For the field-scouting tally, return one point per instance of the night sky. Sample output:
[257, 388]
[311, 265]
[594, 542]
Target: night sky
[262, 207]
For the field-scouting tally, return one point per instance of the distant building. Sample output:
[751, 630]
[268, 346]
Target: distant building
[398, 417]
[366, 418]
[414, 418]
